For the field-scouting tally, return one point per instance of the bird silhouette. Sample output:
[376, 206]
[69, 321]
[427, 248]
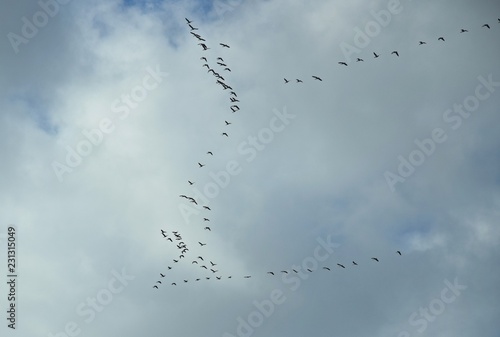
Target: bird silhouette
[270, 272]
[210, 153]
[354, 263]
[224, 45]
[214, 271]
[190, 182]
[201, 165]
[286, 81]
[441, 38]
[326, 268]
[202, 244]
[200, 258]
[192, 28]
[343, 63]
[298, 81]
[486, 25]
[421, 43]
[206, 207]
[375, 259]
[340, 265]
[174, 284]
[225, 134]
[188, 21]
[247, 276]
[220, 59]
[155, 287]
[317, 78]
[208, 228]
[396, 53]
[227, 123]
[284, 271]
[375, 55]
[398, 252]
[158, 282]
[213, 264]
[203, 58]
[162, 275]
[218, 277]
[360, 60]
[309, 270]
[227, 69]
[463, 31]
[194, 262]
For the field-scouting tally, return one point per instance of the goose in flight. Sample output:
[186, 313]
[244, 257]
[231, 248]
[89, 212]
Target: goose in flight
[421, 43]
[214, 271]
[354, 263]
[206, 65]
[210, 153]
[298, 81]
[340, 265]
[286, 81]
[233, 93]
[218, 277]
[309, 270]
[326, 268]
[174, 284]
[359, 60]
[222, 64]
[220, 59]
[343, 64]
[202, 244]
[227, 123]
[225, 134]
[200, 258]
[270, 272]
[170, 239]
[235, 106]
[284, 271]
[203, 58]
[198, 279]
[175, 261]
[188, 21]
[398, 252]
[441, 38]
[317, 78]
[296, 272]
[155, 287]
[375, 55]
[234, 100]
[375, 259]
[201, 165]
[213, 264]
[206, 207]
[162, 275]
[194, 261]
[247, 276]
[395, 53]
[486, 25]
[208, 228]
[192, 28]
[206, 219]
[203, 45]
[190, 182]
[158, 282]
[464, 31]
[204, 267]
[227, 69]
[224, 45]
[185, 281]
[169, 267]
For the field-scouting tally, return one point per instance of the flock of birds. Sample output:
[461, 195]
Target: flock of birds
[175, 238]
[394, 52]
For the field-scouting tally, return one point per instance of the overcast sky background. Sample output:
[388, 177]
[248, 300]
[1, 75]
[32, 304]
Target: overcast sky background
[323, 175]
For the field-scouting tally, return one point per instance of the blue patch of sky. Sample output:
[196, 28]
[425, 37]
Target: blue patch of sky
[37, 110]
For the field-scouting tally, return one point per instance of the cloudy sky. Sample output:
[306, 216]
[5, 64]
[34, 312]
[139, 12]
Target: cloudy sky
[107, 109]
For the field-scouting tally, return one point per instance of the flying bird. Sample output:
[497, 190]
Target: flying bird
[203, 58]
[340, 265]
[247, 276]
[192, 28]
[463, 31]
[270, 272]
[309, 270]
[225, 134]
[441, 38]
[175, 261]
[286, 81]
[486, 25]
[284, 271]
[343, 63]
[298, 81]
[227, 123]
[208, 228]
[194, 262]
[188, 21]
[220, 59]
[202, 244]
[233, 93]
[375, 259]
[218, 277]
[210, 153]
[155, 287]
[326, 268]
[206, 219]
[158, 282]
[162, 275]
[317, 78]
[224, 45]
[227, 69]
[174, 284]
[206, 207]
[421, 43]
[398, 252]
[354, 263]
[361, 60]
[201, 165]
[190, 182]
[214, 271]
[396, 53]
[375, 55]
[213, 264]
[200, 258]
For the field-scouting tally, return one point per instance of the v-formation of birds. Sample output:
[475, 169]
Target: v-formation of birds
[220, 80]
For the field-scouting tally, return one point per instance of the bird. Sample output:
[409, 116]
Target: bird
[298, 81]
[421, 43]
[375, 55]
[188, 21]
[200, 258]
[222, 64]
[220, 59]
[170, 239]
[162, 275]
[326, 268]
[175, 261]
[354, 263]
[375, 259]
[227, 123]
[208, 278]
[317, 78]
[463, 31]
[158, 282]
[206, 65]
[155, 287]
[218, 277]
[227, 69]
[232, 99]
[208, 228]
[225, 134]
[190, 182]
[286, 81]
[164, 235]
[224, 45]
[398, 252]
[206, 207]
[194, 262]
[192, 28]
[284, 271]
[185, 281]
[210, 153]
[203, 45]
[396, 53]
[343, 63]
[486, 25]
[340, 265]
[270, 272]
[296, 272]
[441, 38]
[309, 270]
[201, 165]
[197, 279]
[202, 244]
[203, 58]
[204, 267]
[174, 284]
[206, 219]
[213, 264]
[360, 60]
[233, 93]
[247, 276]
[214, 271]
[169, 267]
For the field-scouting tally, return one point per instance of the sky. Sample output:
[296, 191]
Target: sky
[107, 110]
